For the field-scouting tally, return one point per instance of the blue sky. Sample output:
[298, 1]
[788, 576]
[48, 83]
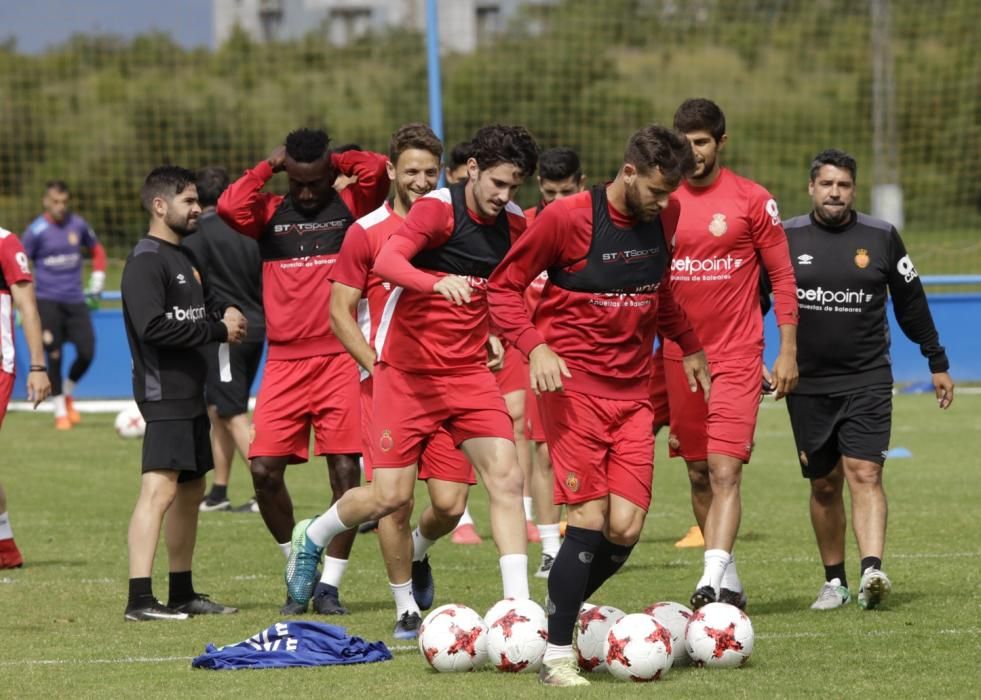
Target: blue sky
[37, 24]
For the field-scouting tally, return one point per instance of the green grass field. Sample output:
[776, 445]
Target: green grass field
[70, 497]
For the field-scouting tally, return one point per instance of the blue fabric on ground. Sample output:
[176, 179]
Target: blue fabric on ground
[293, 643]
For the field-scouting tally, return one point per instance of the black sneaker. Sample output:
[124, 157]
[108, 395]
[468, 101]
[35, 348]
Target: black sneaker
[201, 604]
[368, 526]
[153, 610]
[408, 626]
[423, 585]
[209, 504]
[326, 601]
[250, 506]
[703, 596]
[737, 598]
[291, 607]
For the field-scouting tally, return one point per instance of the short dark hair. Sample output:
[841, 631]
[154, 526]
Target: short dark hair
[57, 186]
[700, 114]
[559, 164]
[211, 183]
[166, 181]
[837, 158]
[307, 145]
[659, 147]
[459, 155]
[501, 143]
[414, 135]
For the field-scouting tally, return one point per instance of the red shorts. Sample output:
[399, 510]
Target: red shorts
[514, 375]
[440, 458]
[321, 391]
[659, 390]
[409, 409]
[534, 430]
[599, 447]
[725, 425]
[6, 391]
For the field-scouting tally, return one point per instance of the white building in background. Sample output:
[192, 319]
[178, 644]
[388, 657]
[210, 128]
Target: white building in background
[463, 24]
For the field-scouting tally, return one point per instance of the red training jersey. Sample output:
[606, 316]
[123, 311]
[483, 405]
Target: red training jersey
[724, 231]
[295, 288]
[14, 268]
[421, 331]
[606, 339]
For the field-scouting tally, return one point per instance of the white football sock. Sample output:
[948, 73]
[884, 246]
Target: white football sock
[529, 516]
[6, 533]
[404, 602]
[326, 527]
[61, 410]
[420, 545]
[285, 548]
[465, 519]
[514, 575]
[333, 571]
[551, 538]
[554, 652]
[730, 579]
[716, 561]
[68, 386]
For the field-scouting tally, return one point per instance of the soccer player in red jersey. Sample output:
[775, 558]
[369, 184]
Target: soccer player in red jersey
[431, 349]
[589, 350]
[729, 226]
[17, 289]
[309, 379]
[358, 299]
[560, 175]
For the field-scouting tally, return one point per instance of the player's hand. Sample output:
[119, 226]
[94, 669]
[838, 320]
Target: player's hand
[38, 387]
[454, 289]
[766, 386]
[784, 374]
[697, 371]
[495, 353]
[277, 159]
[236, 324]
[343, 181]
[547, 369]
[943, 385]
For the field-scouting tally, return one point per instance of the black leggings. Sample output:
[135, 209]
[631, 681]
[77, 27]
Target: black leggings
[66, 323]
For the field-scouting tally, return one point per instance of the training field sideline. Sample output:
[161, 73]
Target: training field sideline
[71, 494]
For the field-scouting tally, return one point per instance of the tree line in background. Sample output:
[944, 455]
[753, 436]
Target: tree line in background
[792, 77]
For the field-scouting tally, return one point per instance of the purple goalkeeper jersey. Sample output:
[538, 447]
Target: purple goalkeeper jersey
[56, 250]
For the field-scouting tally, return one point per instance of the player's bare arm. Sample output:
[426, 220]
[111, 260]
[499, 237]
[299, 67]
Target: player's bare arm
[697, 371]
[343, 309]
[277, 159]
[38, 384]
[943, 386]
[454, 289]
[784, 370]
[547, 369]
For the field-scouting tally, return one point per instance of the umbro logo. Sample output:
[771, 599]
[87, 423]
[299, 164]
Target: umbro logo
[180, 278]
[805, 259]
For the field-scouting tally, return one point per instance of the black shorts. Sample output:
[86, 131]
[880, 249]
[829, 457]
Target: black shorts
[183, 445]
[852, 425]
[231, 372]
[61, 323]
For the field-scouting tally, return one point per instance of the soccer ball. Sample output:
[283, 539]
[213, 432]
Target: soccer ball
[675, 617]
[593, 624]
[516, 634]
[719, 635]
[130, 423]
[638, 648]
[453, 638]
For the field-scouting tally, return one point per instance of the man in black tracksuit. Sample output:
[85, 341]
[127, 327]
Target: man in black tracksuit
[845, 263]
[168, 322]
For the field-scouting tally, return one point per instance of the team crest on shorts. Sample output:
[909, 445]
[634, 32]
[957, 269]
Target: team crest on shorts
[572, 482]
[861, 258]
[386, 442]
[718, 225]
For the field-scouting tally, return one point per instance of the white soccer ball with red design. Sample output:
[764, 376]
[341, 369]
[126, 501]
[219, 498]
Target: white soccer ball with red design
[719, 635]
[129, 422]
[592, 627]
[453, 638]
[516, 635]
[638, 648]
[675, 617]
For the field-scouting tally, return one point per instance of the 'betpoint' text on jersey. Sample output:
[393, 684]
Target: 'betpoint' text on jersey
[688, 269]
[852, 300]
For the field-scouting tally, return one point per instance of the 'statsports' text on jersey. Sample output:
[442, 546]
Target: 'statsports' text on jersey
[56, 250]
[843, 277]
[724, 231]
[298, 250]
[420, 331]
[14, 268]
[604, 300]
[167, 323]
